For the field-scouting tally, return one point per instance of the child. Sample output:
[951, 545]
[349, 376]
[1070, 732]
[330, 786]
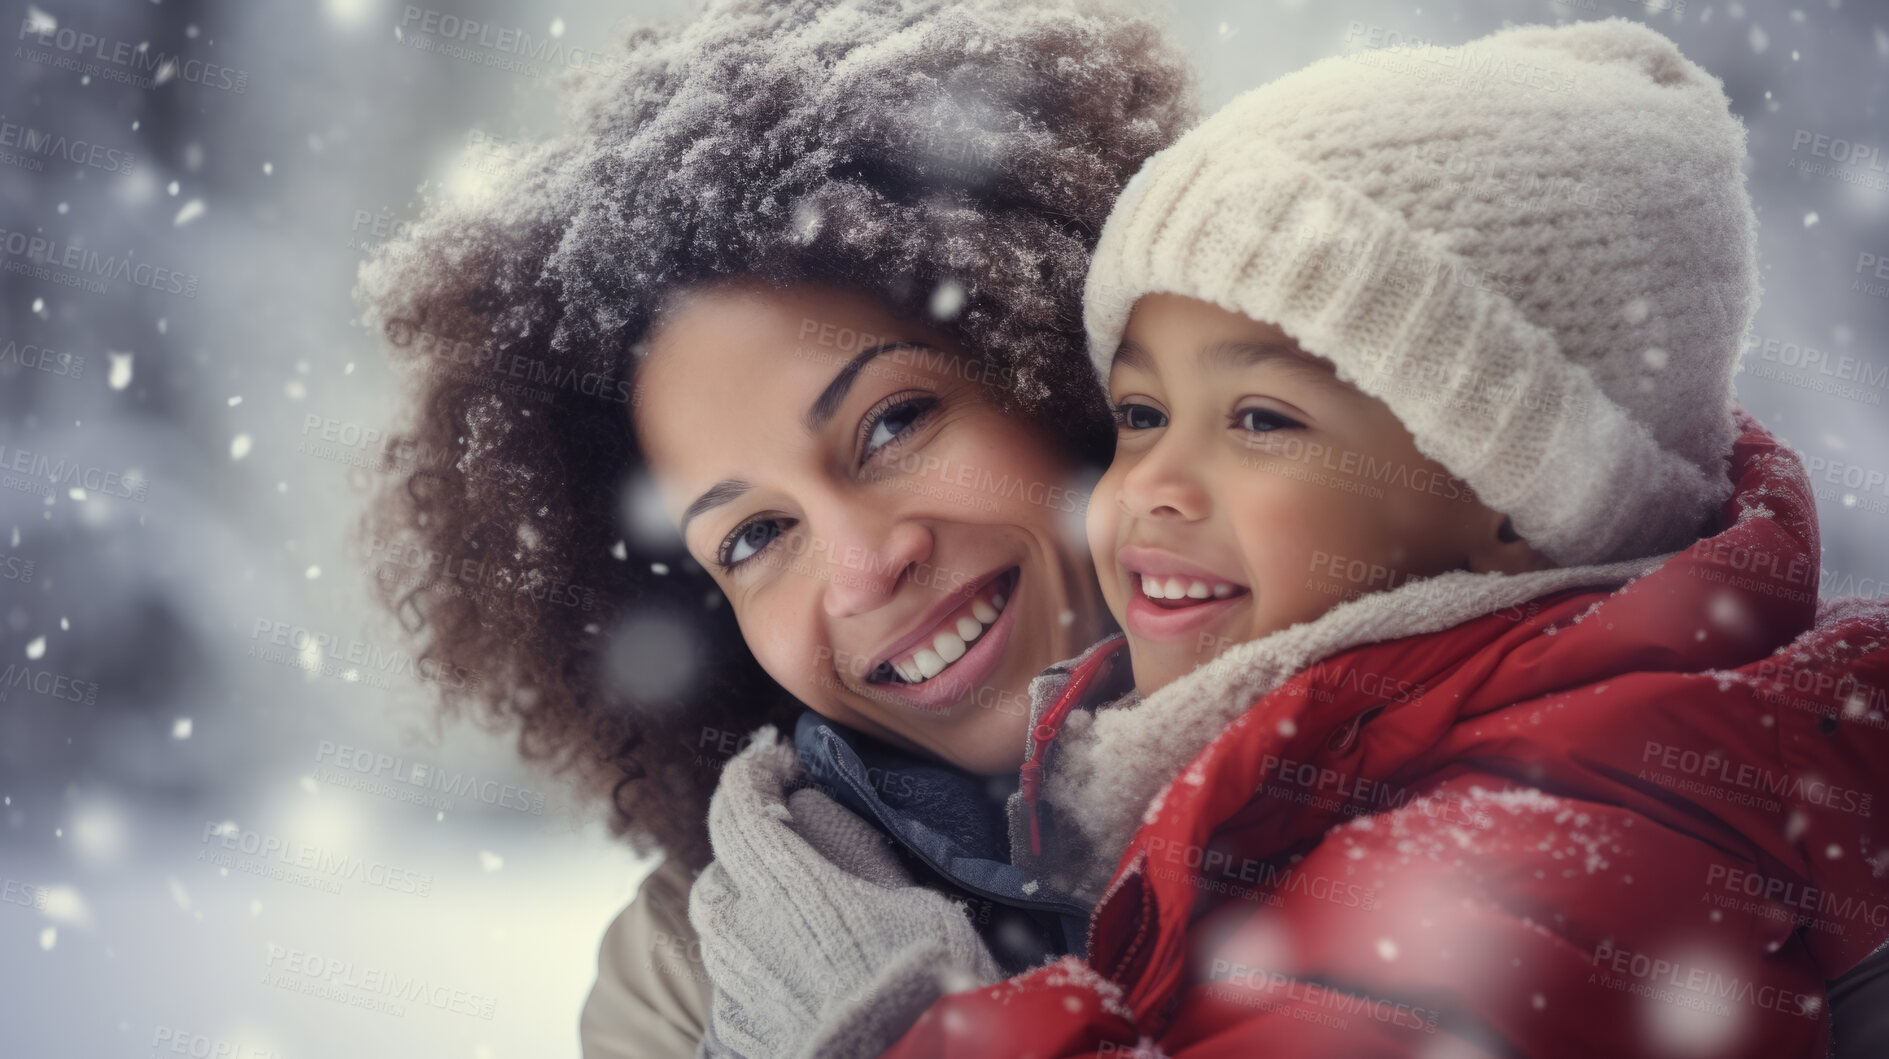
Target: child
[1481, 700]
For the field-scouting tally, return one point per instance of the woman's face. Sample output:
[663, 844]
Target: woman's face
[901, 557]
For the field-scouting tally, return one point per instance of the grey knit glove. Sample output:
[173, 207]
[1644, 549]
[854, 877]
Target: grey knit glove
[807, 919]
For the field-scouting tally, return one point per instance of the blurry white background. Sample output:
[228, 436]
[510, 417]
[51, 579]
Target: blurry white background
[142, 821]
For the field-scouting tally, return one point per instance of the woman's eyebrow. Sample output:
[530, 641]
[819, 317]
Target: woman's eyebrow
[822, 410]
[714, 496]
[830, 398]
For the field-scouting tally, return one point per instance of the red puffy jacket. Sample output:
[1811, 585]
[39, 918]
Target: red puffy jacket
[1625, 823]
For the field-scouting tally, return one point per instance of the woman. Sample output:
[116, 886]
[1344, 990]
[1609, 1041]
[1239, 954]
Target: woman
[804, 278]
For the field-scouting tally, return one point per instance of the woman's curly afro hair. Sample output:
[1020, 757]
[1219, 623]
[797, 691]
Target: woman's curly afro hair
[897, 147]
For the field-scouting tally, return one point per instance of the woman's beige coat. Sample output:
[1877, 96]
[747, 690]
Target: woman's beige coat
[651, 997]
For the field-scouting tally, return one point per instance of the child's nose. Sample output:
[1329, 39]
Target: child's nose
[1165, 484]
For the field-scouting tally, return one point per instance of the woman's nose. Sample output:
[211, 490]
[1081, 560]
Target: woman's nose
[1166, 483]
[864, 573]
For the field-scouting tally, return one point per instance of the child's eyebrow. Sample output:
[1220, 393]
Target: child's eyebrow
[1130, 355]
[1287, 355]
[1235, 355]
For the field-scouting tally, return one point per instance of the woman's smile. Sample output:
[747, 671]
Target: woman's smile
[948, 656]
[900, 554]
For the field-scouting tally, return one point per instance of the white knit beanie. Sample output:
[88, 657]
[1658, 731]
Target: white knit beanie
[1536, 248]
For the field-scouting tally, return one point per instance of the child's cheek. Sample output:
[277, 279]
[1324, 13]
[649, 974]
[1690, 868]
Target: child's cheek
[1103, 523]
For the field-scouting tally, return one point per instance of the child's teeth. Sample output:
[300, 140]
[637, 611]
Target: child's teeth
[949, 645]
[983, 611]
[929, 662]
[1175, 588]
[969, 628]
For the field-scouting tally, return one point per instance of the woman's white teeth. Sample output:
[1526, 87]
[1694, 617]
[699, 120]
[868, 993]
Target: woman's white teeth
[950, 643]
[1175, 588]
[949, 646]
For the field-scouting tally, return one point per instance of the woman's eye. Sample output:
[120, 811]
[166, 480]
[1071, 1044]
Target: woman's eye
[1262, 420]
[894, 422]
[747, 541]
[1138, 417]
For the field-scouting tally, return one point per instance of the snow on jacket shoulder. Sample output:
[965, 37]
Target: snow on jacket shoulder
[1624, 822]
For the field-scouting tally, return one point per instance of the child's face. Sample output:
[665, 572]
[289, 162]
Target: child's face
[1252, 490]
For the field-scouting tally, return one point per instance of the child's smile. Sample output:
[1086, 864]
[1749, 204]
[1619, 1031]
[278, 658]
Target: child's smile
[1249, 480]
[1174, 597]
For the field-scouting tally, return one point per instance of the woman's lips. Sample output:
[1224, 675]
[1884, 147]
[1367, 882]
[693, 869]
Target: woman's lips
[956, 679]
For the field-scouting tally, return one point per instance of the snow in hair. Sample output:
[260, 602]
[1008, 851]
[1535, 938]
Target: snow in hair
[955, 159]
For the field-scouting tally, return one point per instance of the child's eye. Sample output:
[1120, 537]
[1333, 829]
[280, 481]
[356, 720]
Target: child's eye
[1263, 420]
[748, 540]
[1131, 416]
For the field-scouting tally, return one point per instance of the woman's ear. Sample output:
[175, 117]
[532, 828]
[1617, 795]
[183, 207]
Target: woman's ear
[1499, 549]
